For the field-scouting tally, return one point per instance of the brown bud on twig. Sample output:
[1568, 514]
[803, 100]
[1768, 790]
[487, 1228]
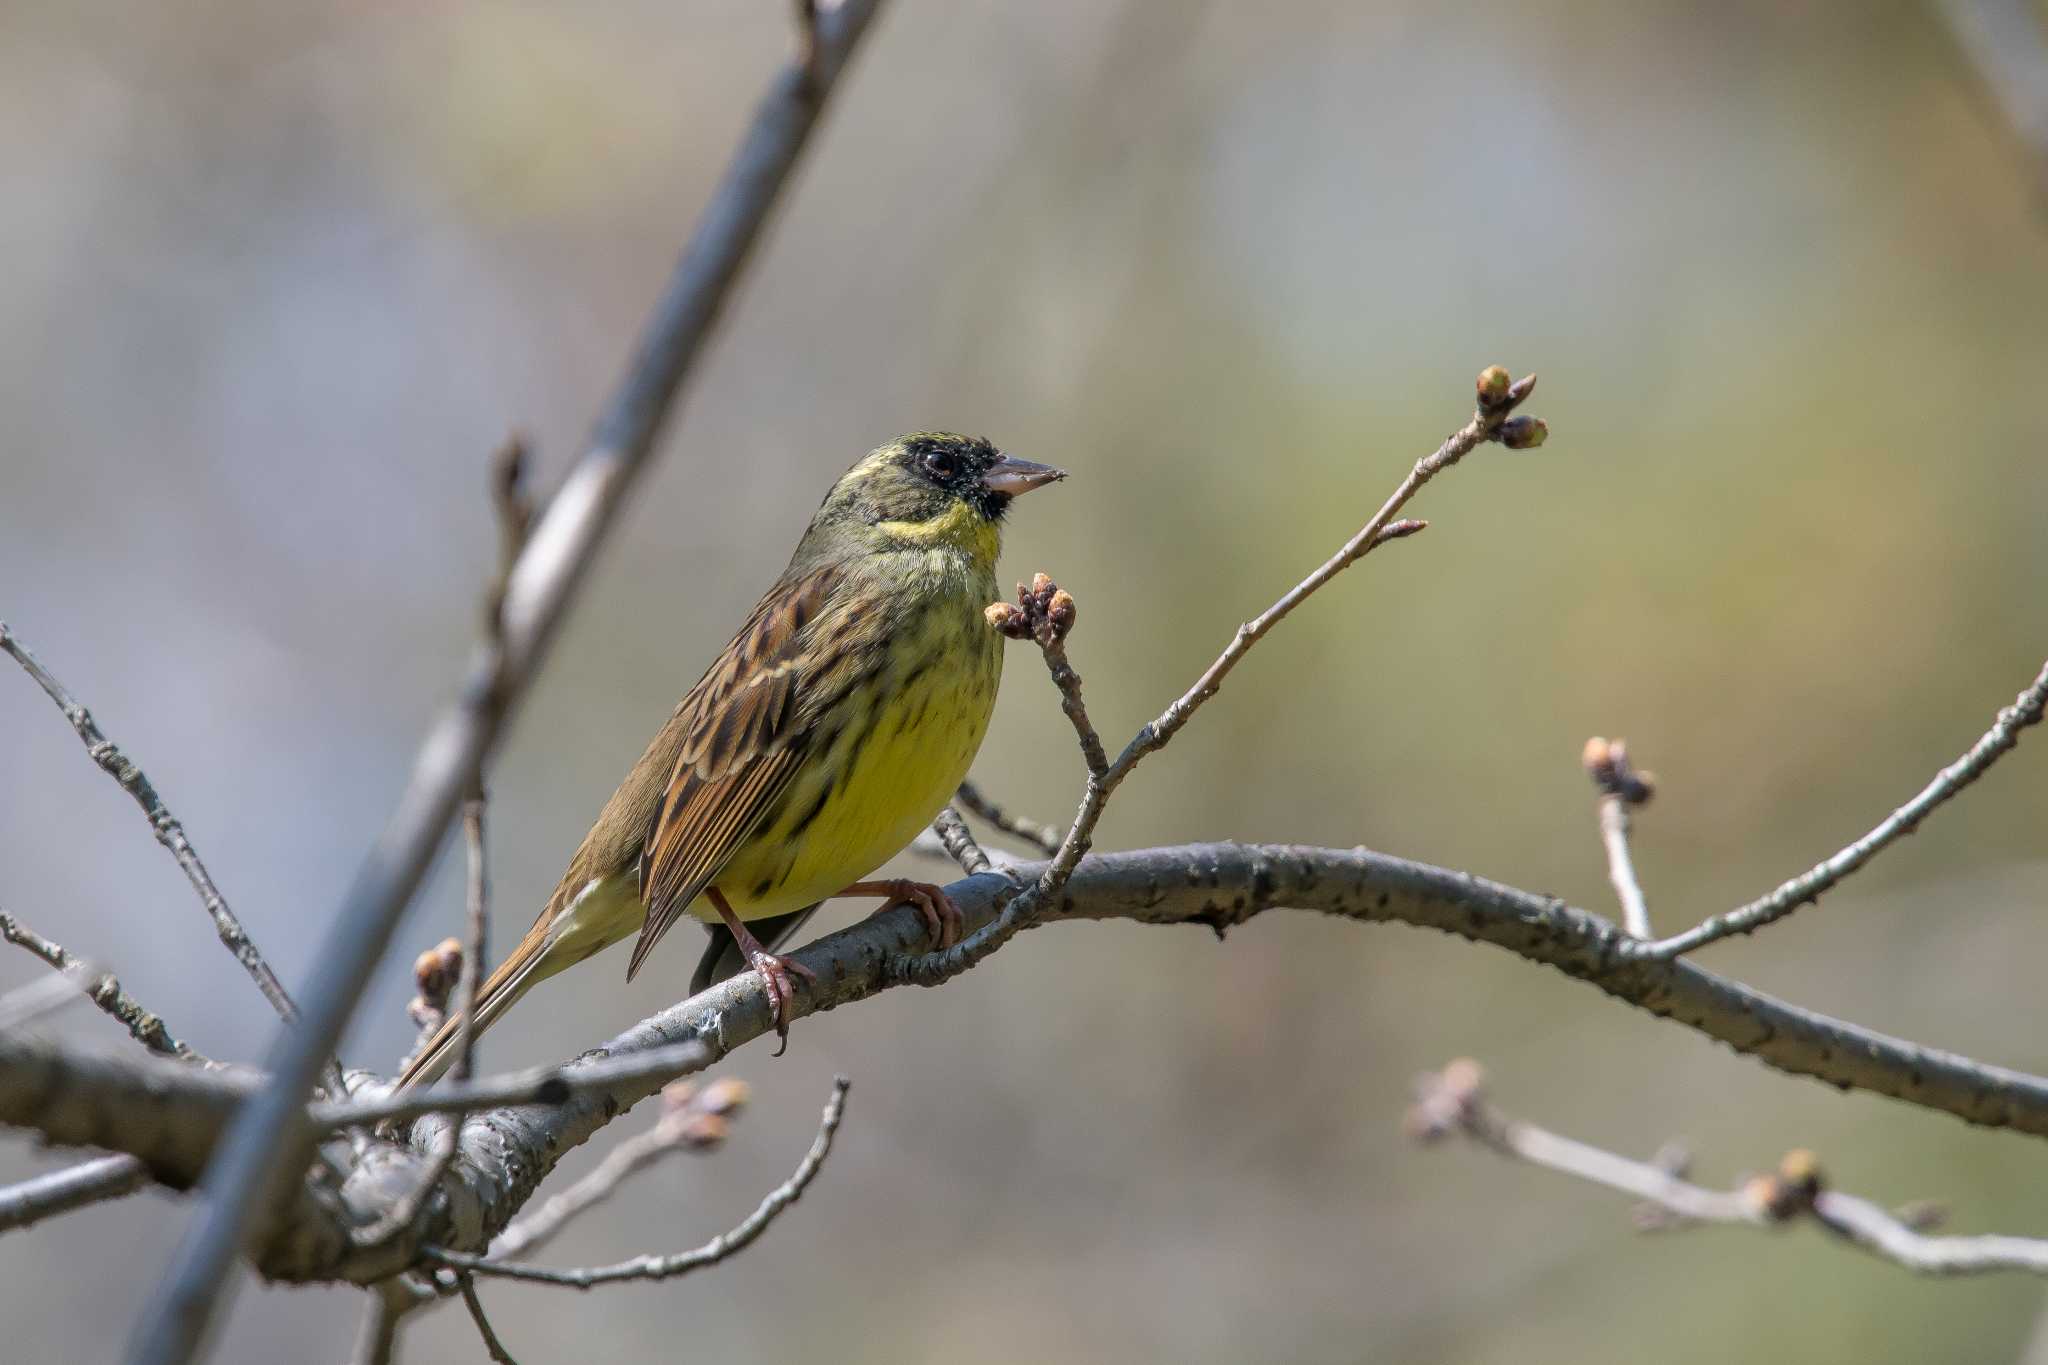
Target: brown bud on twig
[1044, 611]
[700, 1118]
[1445, 1101]
[1008, 620]
[1790, 1190]
[435, 973]
[1524, 433]
[1059, 613]
[1521, 388]
[1606, 761]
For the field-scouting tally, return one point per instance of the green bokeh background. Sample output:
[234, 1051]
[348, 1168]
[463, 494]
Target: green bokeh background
[277, 278]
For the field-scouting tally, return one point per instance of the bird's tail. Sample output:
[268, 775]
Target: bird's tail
[605, 912]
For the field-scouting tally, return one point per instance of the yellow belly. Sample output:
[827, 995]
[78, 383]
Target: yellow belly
[850, 811]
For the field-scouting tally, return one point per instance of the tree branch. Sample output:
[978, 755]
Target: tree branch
[172, 1116]
[102, 988]
[254, 1168]
[1046, 614]
[1041, 837]
[1999, 740]
[89, 1182]
[693, 1119]
[1453, 1102]
[493, 1348]
[722, 1247]
[169, 832]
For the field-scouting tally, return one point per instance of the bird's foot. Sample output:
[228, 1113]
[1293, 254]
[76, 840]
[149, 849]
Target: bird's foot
[942, 918]
[776, 973]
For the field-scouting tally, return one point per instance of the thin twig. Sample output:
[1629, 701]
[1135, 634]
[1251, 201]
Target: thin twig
[492, 1346]
[2004, 733]
[102, 988]
[255, 1164]
[693, 1119]
[391, 1301]
[958, 842]
[89, 1182]
[719, 1248]
[1046, 614]
[1621, 787]
[169, 832]
[544, 1085]
[1621, 868]
[1453, 1102]
[1041, 837]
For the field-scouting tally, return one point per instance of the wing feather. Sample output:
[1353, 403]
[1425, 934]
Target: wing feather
[742, 745]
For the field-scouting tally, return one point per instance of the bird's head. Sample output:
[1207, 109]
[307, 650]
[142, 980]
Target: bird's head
[930, 490]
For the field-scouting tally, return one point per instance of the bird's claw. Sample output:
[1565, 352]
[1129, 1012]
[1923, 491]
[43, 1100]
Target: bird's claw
[942, 918]
[776, 972]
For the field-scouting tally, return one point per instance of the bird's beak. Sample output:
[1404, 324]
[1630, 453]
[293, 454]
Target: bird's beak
[1011, 477]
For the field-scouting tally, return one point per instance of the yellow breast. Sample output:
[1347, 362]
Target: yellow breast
[913, 732]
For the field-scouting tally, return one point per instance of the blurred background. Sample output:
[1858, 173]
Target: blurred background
[279, 277]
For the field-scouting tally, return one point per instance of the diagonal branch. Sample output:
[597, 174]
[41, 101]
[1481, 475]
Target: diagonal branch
[169, 832]
[102, 988]
[1046, 614]
[1453, 1103]
[256, 1165]
[1999, 740]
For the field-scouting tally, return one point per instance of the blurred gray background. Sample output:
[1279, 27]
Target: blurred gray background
[278, 277]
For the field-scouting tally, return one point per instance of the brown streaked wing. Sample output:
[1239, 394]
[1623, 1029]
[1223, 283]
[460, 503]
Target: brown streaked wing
[741, 747]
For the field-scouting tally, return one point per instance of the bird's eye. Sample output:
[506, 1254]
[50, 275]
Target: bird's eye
[939, 465]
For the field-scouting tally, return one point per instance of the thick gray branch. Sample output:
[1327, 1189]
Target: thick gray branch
[171, 1116]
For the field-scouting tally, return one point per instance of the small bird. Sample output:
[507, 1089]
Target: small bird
[825, 736]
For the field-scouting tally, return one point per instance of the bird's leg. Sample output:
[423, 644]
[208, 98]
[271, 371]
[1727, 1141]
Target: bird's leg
[775, 969]
[942, 918]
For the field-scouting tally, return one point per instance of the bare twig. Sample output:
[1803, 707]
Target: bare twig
[254, 1166]
[1041, 837]
[957, 842]
[102, 988]
[492, 1346]
[2004, 733]
[391, 1301]
[544, 1085]
[719, 1248]
[169, 832]
[1621, 787]
[1453, 1102]
[89, 1182]
[1045, 613]
[693, 1119]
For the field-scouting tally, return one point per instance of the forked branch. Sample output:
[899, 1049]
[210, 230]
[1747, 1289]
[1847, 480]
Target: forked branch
[1453, 1103]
